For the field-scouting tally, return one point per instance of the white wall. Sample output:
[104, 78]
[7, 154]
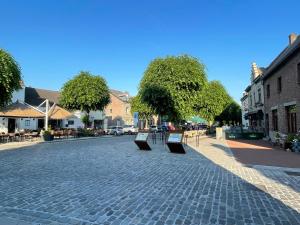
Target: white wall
[3, 124]
[26, 123]
[21, 124]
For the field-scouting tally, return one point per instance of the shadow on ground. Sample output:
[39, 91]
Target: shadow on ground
[109, 181]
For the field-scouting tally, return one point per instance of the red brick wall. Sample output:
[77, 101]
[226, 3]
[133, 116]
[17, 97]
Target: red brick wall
[290, 92]
[118, 108]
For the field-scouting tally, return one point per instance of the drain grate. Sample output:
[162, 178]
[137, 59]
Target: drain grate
[292, 173]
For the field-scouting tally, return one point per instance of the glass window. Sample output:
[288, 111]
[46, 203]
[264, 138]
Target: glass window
[70, 122]
[291, 117]
[259, 95]
[27, 123]
[279, 85]
[268, 90]
[275, 120]
[298, 73]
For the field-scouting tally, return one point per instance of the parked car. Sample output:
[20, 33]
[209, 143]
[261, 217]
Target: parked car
[115, 130]
[130, 129]
[153, 128]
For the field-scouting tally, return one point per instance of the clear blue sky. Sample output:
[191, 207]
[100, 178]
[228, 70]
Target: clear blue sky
[54, 40]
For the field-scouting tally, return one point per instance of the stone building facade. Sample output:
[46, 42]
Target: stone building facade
[118, 112]
[282, 90]
[253, 99]
[244, 109]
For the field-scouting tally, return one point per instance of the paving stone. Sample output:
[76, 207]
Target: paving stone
[109, 181]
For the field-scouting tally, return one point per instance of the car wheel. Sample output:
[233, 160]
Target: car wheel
[130, 132]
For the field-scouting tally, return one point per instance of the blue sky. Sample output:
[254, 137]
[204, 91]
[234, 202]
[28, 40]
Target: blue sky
[54, 40]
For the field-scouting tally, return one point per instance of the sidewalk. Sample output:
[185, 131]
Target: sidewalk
[259, 152]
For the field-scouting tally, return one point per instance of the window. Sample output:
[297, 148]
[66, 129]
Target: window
[298, 73]
[268, 90]
[279, 87]
[259, 95]
[27, 123]
[110, 110]
[291, 119]
[70, 122]
[275, 120]
[250, 97]
[127, 110]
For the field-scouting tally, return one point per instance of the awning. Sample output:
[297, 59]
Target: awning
[58, 113]
[19, 109]
[197, 119]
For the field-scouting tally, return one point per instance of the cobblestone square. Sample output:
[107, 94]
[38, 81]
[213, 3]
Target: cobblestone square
[109, 181]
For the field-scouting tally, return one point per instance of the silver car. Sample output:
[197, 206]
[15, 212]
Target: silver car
[116, 130]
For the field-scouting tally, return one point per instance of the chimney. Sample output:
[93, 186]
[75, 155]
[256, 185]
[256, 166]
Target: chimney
[292, 38]
[254, 70]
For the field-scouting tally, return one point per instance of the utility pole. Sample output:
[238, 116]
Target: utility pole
[46, 116]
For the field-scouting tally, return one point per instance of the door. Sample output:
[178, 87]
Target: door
[41, 123]
[11, 125]
[267, 125]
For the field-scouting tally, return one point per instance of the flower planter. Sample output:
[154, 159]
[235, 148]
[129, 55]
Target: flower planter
[47, 137]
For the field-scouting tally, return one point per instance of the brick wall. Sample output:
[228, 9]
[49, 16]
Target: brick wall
[290, 93]
[118, 110]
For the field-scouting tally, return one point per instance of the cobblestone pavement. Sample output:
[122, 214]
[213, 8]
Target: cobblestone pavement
[109, 181]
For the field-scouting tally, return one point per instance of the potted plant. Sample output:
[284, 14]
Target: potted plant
[47, 136]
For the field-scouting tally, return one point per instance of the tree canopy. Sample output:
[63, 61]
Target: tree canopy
[145, 112]
[172, 86]
[85, 92]
[213, 101]
[10, 77]
[232, 114]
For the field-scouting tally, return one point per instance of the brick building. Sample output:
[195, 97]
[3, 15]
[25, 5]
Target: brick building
[117, 113]
[282, 90]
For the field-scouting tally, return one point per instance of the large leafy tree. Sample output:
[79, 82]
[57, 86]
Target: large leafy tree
[232, 114]
[172, 86]
[85, 92]
[213, 100]
[145, 111]
[10, 77]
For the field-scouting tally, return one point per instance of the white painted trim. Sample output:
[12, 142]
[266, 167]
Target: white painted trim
[274, 107]
[289, 103]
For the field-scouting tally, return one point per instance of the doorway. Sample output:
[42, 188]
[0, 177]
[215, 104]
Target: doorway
[11, 127]
[41, 123]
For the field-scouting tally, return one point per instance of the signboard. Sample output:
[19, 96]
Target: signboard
[175, 137]
[142, 136]
[135, 119]
[141, 141]
[175, 142]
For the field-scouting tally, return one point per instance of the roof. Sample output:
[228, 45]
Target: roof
[248, 88]
[35, 96]
[123, 96]
[58, 113]
[19, 109]
[282, 57]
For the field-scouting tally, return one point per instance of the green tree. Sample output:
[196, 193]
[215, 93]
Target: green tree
[85, 92]
[172, 86]
[232, 114]
[213, 100]
[10, 77]
[145, 111]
